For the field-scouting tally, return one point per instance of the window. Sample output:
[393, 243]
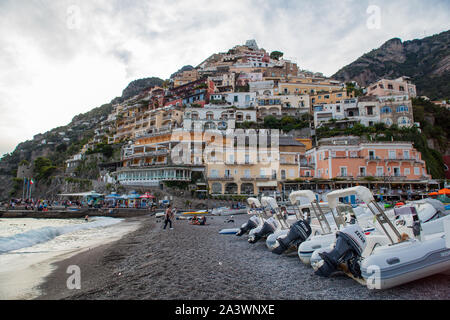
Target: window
[247, 173]
[417, 171]
[262, 172]
[362, 171]
[343, 171]
[401, 88]
[390, 87]
[406, 171]
[405, 154]
[380, 171]
[235, 98]
[291, 173]
[386, 109]
[283, 174]
[214, 173]
[392, 154]
[403, 121]
[371, 154]
[402, 109]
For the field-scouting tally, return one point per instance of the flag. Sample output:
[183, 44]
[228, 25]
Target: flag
[31, 181]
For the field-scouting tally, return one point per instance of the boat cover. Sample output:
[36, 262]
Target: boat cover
[302, 194]
[363, 193]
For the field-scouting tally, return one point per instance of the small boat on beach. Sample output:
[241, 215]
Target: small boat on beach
[257, 219]
[227, 211]
[403, 259]
[196, 212]
[275, 222]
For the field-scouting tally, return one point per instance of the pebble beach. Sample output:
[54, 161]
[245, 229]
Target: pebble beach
[197, 263]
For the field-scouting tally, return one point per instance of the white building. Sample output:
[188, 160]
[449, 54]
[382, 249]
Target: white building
[366, 111]
[241, 100]
[262, 87]
[215, 117]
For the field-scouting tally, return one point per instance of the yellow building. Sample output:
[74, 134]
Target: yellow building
[327, 97]
[185, 77]
[254, 170]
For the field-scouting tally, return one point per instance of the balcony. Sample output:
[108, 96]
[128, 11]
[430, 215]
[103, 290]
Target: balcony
[223, 178]
[373, 158]
[247, 178]
[265, 177]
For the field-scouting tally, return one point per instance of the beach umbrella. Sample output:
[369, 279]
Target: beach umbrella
[433, 194]
[112, 196]
[399, 204]
[133, 196]
[444, 191]
[147, 196]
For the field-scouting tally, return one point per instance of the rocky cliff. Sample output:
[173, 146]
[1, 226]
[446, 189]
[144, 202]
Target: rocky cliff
[426, 61]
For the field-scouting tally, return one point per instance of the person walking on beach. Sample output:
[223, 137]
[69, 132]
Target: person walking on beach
[168, 217]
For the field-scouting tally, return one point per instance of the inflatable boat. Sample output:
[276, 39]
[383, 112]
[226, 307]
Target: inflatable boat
[257, 219]
[276, 221]
[402, 260]
[300, 230]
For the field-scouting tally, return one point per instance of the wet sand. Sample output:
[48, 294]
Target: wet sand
[196, 262]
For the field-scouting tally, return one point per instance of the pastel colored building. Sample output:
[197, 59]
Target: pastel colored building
[386, 87]
[392, 160]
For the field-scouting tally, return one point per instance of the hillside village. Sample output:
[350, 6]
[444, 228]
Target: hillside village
[331, 134]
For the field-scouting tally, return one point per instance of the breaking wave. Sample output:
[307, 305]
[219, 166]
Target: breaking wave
[33, 237]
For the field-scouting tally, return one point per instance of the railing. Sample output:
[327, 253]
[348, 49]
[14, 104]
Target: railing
[217, 178]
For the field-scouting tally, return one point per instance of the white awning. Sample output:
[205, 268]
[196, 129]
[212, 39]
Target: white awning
[267, 184]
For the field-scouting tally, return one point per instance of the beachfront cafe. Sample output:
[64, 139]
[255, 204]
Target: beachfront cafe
[89, 199]
[133, 200]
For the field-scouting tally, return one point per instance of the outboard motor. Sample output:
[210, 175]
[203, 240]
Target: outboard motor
[350, 243]
[299, 232]
[267, 228]
[251, 224]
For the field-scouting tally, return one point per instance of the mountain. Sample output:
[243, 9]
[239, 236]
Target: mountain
[61, 143]
[185, 68]
[137, 86]
[426, 61]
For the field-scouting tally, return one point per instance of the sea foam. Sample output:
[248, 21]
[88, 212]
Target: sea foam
[41, 235]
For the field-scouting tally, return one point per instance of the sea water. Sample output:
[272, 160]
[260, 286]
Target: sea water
[29, 247]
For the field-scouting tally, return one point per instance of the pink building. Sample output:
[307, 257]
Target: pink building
[399, 86]
[394, 160]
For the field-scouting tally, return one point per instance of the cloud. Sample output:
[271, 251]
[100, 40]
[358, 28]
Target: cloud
[61, 58]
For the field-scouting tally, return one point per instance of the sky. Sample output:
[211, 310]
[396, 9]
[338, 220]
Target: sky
[62, 58]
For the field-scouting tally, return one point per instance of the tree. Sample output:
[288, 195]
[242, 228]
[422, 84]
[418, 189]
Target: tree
[276, 55]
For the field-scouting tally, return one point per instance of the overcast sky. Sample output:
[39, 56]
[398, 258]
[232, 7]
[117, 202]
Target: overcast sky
[61, 58]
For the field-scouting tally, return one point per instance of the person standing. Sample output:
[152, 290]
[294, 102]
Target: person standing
[168, 217]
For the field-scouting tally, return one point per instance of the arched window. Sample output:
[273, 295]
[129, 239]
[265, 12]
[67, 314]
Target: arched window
[403, 121]
[209, 115]
[216, 188]
[388, 121]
